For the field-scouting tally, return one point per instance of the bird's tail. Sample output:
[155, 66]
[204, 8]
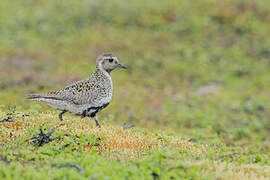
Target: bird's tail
[33, 97]
[40, 97]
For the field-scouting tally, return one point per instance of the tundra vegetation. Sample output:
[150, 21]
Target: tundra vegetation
[197, 90]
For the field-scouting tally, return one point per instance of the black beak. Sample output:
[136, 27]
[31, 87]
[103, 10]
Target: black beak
[122, 66]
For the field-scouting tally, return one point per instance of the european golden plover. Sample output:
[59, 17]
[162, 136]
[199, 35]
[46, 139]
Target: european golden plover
[86, 97]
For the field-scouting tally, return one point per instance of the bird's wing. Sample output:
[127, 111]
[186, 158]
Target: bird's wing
[79, 93]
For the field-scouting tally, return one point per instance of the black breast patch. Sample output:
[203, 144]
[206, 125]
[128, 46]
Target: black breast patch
[93, 113]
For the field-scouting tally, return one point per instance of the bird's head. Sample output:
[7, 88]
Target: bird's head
[108, 62]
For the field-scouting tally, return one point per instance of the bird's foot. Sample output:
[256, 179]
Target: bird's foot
[61, 115]
[97, 124]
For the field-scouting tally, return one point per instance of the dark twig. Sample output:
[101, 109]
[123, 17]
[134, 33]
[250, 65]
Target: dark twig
[71, 165]
[42, 138]
[12, 115]
[12, 110]
[63, 147]
[124, 126]
[8, 119]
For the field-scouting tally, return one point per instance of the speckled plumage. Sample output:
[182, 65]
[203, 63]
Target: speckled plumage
[86, 97]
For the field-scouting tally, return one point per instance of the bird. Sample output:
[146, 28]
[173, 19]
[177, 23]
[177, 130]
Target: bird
[86, 97]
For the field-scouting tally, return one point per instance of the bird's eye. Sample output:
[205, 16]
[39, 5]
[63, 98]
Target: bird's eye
[111, 60]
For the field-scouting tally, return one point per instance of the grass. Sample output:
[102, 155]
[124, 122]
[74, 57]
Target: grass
[197, 89]
[82, 150]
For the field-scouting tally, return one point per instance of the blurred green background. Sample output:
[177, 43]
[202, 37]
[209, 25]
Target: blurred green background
[200, 68]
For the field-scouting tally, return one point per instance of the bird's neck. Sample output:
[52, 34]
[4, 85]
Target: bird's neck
[101, 70]
[106, 79]
[101, 73]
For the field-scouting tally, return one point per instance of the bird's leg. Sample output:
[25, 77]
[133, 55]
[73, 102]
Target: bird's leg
[97, 123]
[61, 115]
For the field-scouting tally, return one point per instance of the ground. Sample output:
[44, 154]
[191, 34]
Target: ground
[197, 89]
